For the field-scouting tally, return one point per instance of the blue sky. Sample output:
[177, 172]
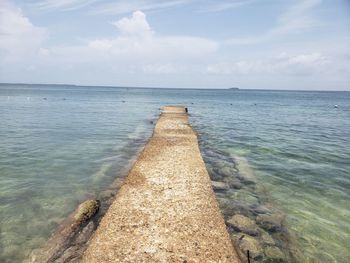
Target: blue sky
[271, 44]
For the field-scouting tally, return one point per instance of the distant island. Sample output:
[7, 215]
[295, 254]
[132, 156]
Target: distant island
[234, 88]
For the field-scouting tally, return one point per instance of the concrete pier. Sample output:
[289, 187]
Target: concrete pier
[166, 210]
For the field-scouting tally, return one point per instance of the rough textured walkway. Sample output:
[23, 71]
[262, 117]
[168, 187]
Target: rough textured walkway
[166, 210]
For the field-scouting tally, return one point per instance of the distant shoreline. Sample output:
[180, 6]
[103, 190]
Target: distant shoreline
[169, 88]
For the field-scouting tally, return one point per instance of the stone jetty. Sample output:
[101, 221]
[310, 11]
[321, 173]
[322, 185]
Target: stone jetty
[166, 209]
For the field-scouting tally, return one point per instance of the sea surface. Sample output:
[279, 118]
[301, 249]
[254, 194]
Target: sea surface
[61, 144]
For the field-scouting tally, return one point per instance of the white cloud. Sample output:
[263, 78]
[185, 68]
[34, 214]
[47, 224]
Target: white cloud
[20, 39]
[166, 68]
[100, 44]
[284, 63]
[136, 25]
[151, 48]
[137, 45]
[137, 49]
[304, 59]
[138, 42]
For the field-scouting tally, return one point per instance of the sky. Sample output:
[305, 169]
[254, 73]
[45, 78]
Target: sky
[250, 44]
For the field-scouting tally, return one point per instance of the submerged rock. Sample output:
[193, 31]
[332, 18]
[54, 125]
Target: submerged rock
[219, 186]
[274, 255]
[226, 171]
[71, 254]
[260, 209]
[223, 202]
[266, 238]
[218, 164]
[245, 243]
[86, 210]
[106, 199]
[107, 193]
[248, 180]
[243, 224]
[211, 153]
[245, 172]
[116, 184]
[213, 174]
[245, 197]
[271, 222]
[86, 233]
[233, 182]
[229, 207]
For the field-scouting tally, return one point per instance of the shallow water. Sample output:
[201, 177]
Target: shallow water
[298, 147]
[61, 143]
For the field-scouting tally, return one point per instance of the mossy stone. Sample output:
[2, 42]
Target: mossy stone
[226, 171]
[250, 243]
[271, 222]
[219, 186]
[243, 224]
[86, 210]
[266, 238]
[274, 255]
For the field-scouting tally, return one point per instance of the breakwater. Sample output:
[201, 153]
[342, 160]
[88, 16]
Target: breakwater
[253, 219]
[166, 210]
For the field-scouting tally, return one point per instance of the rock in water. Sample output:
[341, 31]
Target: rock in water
[246, 174]
[266, 238]
[219, 186]
[260, 209]
[86, 210]
[85, 234]
[245, 243]
[218, 164]
[243, 224]
[226, 171]
[274, 255]
[272, 222]
[233, 182]
[245, 197]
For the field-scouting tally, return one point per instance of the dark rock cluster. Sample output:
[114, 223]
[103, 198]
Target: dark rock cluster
[254, 222]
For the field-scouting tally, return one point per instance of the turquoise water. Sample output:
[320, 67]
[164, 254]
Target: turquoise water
[60, 144]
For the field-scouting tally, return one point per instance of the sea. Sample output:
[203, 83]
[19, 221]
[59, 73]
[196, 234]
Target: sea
[60, 144]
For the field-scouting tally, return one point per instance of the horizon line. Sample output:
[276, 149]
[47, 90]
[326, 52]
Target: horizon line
[233, 88]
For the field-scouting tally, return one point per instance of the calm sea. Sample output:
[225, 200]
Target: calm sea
[59, 144]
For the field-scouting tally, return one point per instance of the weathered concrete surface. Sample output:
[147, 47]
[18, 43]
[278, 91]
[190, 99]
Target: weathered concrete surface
[166, 210]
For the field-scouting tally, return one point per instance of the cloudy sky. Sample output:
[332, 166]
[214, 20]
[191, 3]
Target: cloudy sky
[271, 44]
